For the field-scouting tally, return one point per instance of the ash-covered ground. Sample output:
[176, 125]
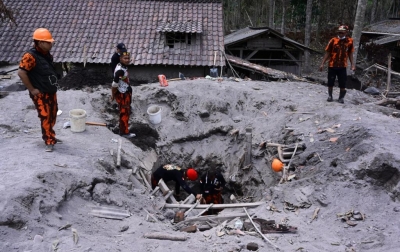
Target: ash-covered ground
[350, 166]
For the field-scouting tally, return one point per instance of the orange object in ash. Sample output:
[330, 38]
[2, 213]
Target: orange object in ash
[163, 81]
[276, 165]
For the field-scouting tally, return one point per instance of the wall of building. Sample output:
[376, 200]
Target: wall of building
[137, 74]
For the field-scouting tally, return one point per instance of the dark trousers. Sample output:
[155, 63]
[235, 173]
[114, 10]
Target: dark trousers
[341, 74]
[47, 107]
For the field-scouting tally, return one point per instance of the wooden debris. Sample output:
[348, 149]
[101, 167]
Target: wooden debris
[286, 167]
[190, 209]
[109, 213]
[190, 229]
[54, 245]
[119, 153]
[151, 216]
[164, 236]
[315, 215]
[144, 179]
[75, 236]
[262, 235]
[65, 227]
[155, 190]
[215, 206]
[164, 189]
[205, 210]
[60, 165]
[333, 139]
[168, 195]
[233, 132]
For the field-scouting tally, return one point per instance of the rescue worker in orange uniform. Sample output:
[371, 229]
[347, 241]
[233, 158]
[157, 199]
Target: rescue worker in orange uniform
[175, 173]
[212, 183]
[121, 91]
[39, 76]
[338, 50]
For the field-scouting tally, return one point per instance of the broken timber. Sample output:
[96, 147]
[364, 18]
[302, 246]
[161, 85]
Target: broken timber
[165, 191]
[215, 206]
[109, 212]
[164, 236]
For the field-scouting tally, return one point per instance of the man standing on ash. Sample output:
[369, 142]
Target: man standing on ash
[338, 50]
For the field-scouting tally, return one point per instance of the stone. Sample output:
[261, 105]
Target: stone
[252, 246]
[38, 239]
[190, 229]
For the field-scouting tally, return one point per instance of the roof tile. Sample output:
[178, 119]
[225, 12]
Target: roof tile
[98, 25]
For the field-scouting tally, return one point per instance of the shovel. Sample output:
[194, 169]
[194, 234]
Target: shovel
[214, 70]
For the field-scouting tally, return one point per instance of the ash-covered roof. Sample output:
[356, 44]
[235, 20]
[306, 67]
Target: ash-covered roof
[88, 30]
[251, 32]
[387, 39]
[391, 26]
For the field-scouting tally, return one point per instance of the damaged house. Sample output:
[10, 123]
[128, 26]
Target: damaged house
[163, 36]
[252, 49]
[384, 38]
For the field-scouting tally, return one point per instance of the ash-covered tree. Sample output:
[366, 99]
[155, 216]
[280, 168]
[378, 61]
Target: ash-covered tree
[6, 13]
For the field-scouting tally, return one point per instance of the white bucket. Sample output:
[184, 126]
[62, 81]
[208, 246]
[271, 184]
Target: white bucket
[154, 113]
[78, 120]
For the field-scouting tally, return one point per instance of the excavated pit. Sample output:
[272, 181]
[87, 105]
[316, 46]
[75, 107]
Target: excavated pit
[347, 161]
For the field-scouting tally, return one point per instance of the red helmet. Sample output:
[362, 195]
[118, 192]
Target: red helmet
[191, 174]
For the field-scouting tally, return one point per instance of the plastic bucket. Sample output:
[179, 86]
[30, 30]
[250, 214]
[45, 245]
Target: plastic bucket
[154, 113]
[77, 120]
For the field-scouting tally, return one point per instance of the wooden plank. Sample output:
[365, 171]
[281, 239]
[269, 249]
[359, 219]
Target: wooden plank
[205, 210]
[119, 153]
[144, 179]
[190, 209]
[165, 190]
[155, 190]
[215, 206]
[165, 236]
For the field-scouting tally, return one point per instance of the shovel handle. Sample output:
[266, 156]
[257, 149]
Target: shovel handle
[96, 123]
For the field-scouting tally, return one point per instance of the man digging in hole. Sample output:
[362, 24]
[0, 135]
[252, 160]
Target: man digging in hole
[39, 76]
[175, 173]
[212, 183]
[121, 91]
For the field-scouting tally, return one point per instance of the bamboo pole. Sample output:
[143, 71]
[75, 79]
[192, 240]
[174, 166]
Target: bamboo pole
[389, 77]
[215, 206]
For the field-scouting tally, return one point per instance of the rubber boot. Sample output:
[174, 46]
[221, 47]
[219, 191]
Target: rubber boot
[330, 90]
[341, 95]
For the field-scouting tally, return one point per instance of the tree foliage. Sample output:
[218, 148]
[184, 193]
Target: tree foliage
[325, 14]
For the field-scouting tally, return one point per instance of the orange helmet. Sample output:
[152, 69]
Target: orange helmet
[191, 174]
[277, 165]
[43, 34]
